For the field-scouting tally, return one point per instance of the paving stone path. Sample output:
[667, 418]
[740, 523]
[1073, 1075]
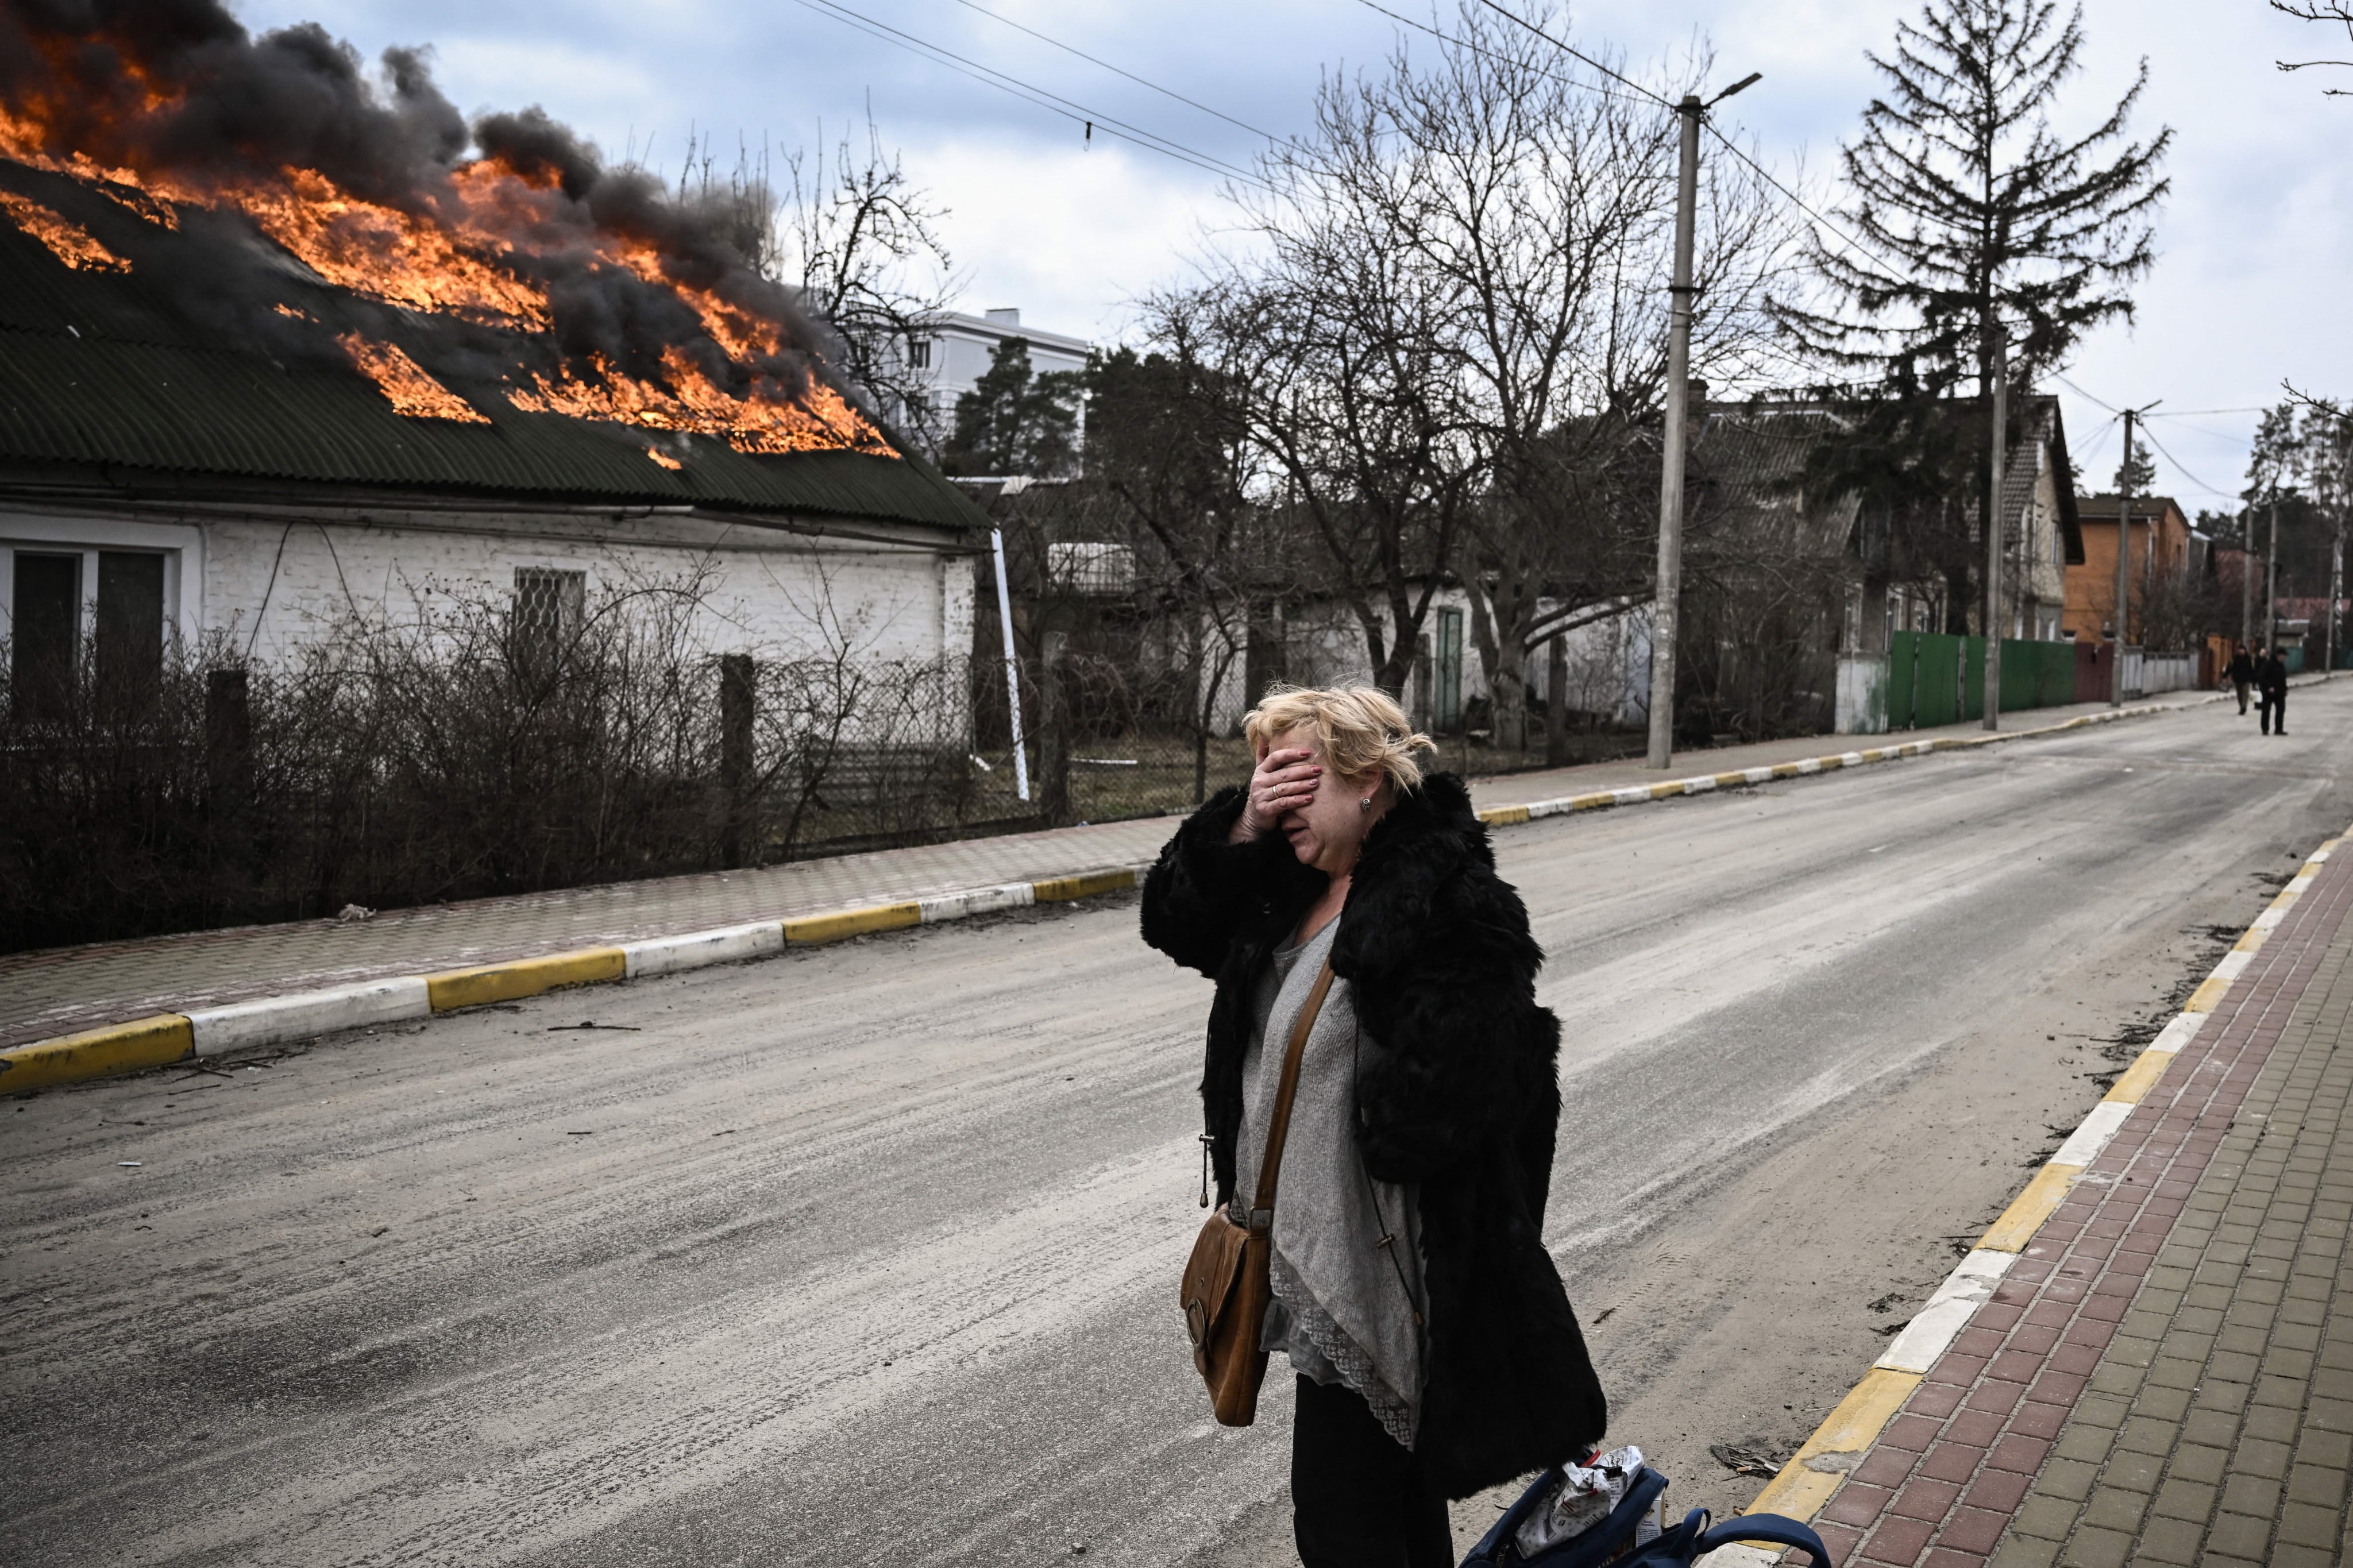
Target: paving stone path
[2165, 1376]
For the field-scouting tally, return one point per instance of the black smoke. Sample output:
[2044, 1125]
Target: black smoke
[180, 88]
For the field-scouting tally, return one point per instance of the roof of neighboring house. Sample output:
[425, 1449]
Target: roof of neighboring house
[1746, 457]
[2103, 508]
[1749, 456]
[119, 371]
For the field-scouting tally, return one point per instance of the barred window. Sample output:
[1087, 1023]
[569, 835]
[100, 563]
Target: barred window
[547, 606]
[919, 354]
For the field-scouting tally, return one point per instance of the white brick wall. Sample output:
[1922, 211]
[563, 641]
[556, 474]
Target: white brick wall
[272, 586]
[767, 593]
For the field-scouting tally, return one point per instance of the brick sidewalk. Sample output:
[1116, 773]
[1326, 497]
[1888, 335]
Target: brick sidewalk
[57, 990]
[2164, 1375]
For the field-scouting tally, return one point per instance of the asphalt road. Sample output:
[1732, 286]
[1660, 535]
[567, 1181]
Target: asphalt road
[867, 1253]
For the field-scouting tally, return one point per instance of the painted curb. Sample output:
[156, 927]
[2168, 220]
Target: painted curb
[168, 1037]
[1816, 1471]
[152, 1042]
[1708, 783]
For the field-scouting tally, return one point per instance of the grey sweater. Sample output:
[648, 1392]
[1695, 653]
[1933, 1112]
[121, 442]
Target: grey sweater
[1345, 1304]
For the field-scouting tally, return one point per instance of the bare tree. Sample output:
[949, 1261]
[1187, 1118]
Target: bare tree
[2335, 11]
[1546, 211]
[1333, 343]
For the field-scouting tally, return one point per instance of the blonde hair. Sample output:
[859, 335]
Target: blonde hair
[1359, 730]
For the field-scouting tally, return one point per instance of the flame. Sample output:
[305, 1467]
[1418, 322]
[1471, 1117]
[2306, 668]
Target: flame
[72, 243]
[820, 419]
[469, 254]
[387, 255]
[664, 459]
[404, 380]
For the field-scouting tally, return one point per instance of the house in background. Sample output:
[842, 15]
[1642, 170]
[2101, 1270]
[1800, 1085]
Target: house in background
[171, 481]
[2160, 547]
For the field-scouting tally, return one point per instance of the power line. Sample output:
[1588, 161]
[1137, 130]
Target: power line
[1038, 96]
[1475, 49]
[1116, 70]
[2084, 394]
[1730, 146]
[1576, 53]
[2185, 473]
[1798, 202]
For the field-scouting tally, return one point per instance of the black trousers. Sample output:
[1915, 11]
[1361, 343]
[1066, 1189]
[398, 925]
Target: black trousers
[1357, 1499]
[2275, 712]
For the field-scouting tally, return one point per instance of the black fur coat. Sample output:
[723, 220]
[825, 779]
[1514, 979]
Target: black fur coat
[1458, 1092]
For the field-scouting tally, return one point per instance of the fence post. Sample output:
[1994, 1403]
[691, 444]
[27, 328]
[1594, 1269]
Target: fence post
[1053, 734]
[229, 774]
[735, 716]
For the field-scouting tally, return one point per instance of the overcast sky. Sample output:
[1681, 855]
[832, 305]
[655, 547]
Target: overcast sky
[2249, 288]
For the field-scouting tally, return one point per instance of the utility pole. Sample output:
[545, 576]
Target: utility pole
[2270, 581]
[1998, 366]
[2247, 574]
[1666, 607]
[2124, 559]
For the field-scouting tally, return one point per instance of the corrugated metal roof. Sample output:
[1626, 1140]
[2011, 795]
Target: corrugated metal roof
[119, 368]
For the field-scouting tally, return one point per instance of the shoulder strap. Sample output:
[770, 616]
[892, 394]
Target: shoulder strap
[1278, 1124]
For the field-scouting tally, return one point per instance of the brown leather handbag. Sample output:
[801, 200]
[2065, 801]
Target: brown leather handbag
[1225, 1291]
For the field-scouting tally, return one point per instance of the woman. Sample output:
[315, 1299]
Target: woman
[1434, 1348]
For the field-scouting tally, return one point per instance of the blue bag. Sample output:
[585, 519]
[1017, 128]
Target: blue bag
[1612, 1542]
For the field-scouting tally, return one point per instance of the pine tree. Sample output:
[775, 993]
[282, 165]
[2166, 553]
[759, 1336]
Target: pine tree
[1016, 421]
[1978, 212]
[1978, 206]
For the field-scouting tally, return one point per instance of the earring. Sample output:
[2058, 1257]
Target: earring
[1366, 804]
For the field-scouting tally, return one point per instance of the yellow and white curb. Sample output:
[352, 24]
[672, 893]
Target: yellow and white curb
[1708, 783]
[1815, 1472]
[199, 1033]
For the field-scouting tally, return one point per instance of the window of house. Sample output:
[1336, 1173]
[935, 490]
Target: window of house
[548, 607]
[45, 628]
[919, 354]
[130, 629]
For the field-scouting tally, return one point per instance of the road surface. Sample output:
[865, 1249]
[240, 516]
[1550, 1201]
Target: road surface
[869, 1252]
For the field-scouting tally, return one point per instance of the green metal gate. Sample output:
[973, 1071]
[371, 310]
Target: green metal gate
[1936, 678]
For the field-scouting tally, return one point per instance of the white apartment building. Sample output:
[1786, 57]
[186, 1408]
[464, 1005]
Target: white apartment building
[957, 353]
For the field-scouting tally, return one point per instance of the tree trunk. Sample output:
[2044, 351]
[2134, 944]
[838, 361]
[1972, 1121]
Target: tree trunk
[1557, 701]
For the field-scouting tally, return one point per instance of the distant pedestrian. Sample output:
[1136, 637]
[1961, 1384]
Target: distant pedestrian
[2243, 675]
[1432, 1346]
[2270, 680]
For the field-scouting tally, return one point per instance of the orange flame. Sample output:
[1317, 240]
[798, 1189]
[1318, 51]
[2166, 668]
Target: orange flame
[458, 259]
[72, 243]
[388, 255]
[821, 419]
[404, 380]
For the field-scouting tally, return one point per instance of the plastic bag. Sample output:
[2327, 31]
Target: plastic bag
[1586, 1495]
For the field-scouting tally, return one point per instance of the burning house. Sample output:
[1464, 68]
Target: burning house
[283, 345]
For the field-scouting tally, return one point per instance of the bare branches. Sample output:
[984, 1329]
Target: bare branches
[2337, 11]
